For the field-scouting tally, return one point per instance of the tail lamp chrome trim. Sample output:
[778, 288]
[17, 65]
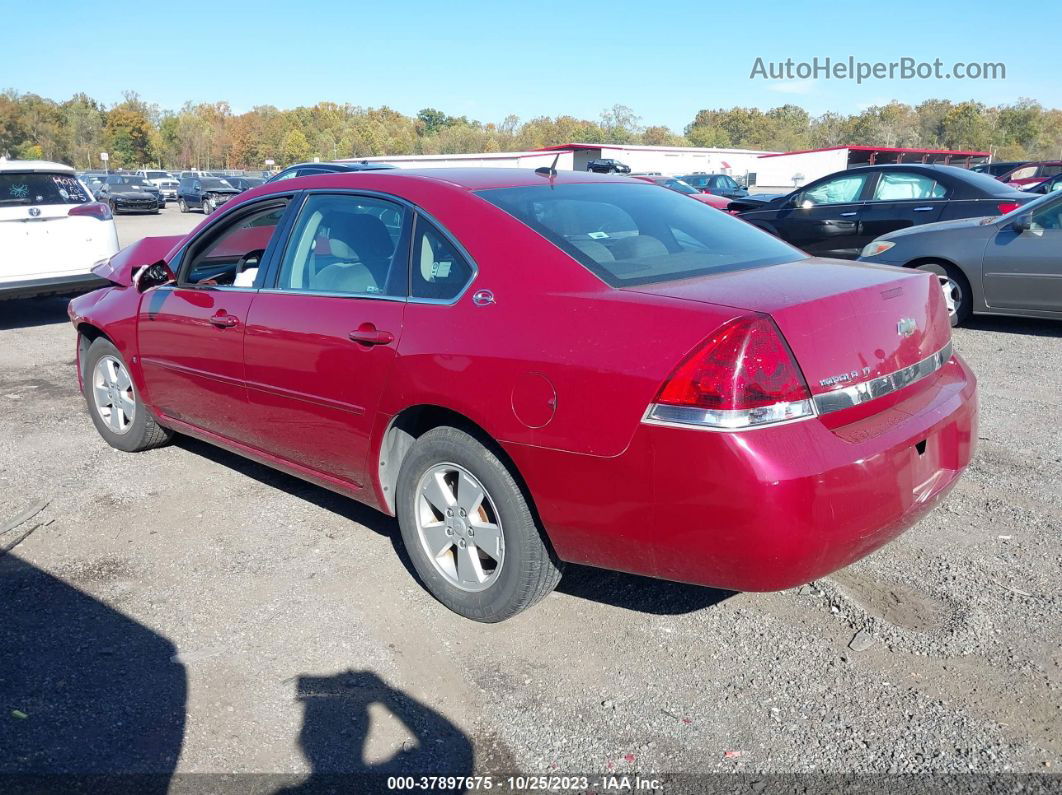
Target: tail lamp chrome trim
[858, 394]
[729, 420]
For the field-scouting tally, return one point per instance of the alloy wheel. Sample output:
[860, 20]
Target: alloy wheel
[459, 527]
[112, 394]
[952, 294]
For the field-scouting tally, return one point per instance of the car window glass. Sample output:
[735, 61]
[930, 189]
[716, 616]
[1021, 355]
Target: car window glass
[637, 234]
[839, 190]
[440, 272]
[1023, 173]
[1050, 171]
[233, 257]
[17, 189]
[1049, 217]
[348, 245]
[897, 186]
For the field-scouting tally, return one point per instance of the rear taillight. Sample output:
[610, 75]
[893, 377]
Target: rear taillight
[94, 209]
[1007, 207]
[743, 376]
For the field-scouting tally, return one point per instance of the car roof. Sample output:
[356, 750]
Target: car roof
[34, 165]
[474, 179]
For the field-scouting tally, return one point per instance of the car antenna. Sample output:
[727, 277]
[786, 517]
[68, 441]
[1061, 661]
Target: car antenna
[550, 170]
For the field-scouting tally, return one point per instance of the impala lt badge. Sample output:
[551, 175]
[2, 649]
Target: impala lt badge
[906, 326]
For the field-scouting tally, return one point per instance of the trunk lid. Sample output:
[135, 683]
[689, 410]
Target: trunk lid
[846, 323]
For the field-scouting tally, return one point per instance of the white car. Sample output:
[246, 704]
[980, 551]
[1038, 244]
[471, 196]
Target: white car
[163, 180]
[52, 231]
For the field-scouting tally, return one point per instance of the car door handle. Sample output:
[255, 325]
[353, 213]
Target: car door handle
[848, 215]
[922, 209]
[368, 334]
[223, 320]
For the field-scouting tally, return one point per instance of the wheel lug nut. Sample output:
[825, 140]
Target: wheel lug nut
[449, 511]
[449, 531]
[462, 511]
[471, 532]
[462, 543]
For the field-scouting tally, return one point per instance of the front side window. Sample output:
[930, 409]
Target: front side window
[440, 271]
[351, 245]
[1048, 216]
[635, 234]
[232, 255]
[900, 186]
[1028, 172]
[840, 190]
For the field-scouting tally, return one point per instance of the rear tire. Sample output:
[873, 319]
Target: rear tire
[957, 293]
[511, 569]
[114, 402]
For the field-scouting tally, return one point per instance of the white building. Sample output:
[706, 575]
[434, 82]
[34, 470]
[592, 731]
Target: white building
[485, 160]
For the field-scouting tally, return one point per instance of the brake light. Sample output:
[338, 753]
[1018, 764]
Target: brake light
[1007, 207]
[743, 376]
[94, 209]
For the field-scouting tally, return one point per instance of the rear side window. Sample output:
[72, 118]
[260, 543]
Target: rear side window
[638, 234]
[16, 189]
[898, 186]
[440, 271]
[347, 245]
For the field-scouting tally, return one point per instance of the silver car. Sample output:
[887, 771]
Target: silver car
[1004, 265]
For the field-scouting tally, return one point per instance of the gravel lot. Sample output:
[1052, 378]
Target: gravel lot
[186, 609]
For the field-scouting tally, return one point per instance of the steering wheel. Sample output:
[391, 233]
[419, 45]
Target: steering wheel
[256, 254]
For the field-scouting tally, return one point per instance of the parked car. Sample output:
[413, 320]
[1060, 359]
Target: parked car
[309, 169]
[549, 367]
[837, 215]
[164, 181]
[128, 194]
[607, 166]
[677, 185]
[52, 231]
[204, 193]
[244, 183]
[1030, 175]
[1011, 265]
[999, 168]
[718, 184]
[92, 182]
[1049, 185]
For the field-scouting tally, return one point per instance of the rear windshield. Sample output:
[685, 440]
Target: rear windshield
[630, 234]
[41, 189]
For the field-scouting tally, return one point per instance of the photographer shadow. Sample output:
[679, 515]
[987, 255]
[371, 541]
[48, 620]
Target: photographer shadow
[340, 734]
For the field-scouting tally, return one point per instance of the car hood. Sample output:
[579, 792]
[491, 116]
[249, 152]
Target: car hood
[228, 191]
[984, 223]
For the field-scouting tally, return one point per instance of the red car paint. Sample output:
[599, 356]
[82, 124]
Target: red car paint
[560, 370]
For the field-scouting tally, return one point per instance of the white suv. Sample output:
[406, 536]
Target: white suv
[52, 231]
[163, 180]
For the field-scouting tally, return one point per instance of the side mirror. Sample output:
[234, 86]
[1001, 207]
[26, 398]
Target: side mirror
[1019, 224]
[155, 275]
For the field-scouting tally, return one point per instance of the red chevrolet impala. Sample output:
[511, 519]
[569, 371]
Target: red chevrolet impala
[529, 368]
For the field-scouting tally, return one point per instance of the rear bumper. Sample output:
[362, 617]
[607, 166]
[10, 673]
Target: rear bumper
[764, 509]
[61, 285]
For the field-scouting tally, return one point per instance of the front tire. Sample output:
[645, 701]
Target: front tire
[957, 294]
[182, 206]
[114, 404]
[208, 208]
[468, 529]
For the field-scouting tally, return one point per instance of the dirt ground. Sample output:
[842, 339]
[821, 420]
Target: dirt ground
[187, 610]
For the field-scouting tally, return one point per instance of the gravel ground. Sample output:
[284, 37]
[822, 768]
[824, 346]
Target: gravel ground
[187, 610]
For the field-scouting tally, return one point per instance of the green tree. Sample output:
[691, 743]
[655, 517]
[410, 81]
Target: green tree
[295, 148]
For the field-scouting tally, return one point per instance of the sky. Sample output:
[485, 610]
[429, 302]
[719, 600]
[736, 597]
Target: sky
[486, 60]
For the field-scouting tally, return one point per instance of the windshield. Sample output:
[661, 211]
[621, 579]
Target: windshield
[39, 188]
[131, 183]
[157, 175]
[635, 234]
[210, 183]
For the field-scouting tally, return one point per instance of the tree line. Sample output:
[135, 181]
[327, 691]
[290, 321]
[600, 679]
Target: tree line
[210, 136]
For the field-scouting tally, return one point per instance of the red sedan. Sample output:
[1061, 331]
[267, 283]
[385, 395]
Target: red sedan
[677, 185]
[531, 368]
